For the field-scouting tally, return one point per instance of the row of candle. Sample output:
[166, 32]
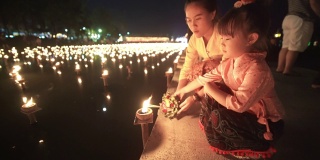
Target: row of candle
[88, 51]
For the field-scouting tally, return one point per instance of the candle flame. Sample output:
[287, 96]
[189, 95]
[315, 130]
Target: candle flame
[16, 69]
[19, 78]
[145, 71]
[170, 70]
[105, 72]
[24, 99]
[77, 67]
[29, 103]
[79, 80]
[146, 104]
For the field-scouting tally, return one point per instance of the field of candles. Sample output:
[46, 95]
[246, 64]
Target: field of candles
[79, 102]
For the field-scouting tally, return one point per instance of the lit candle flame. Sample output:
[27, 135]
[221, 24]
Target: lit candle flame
[18, 78]
[145, 105]
[105, 72]
[29, 103]
[170, 70]
[16, 69]
[145, 71]
[79, 80]
[77, 67]
[24, 99]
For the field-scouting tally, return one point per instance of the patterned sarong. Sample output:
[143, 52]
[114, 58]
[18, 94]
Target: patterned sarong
[234, 133]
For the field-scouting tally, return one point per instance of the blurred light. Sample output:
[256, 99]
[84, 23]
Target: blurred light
[79, 80]
[277, 35]
[315, 43]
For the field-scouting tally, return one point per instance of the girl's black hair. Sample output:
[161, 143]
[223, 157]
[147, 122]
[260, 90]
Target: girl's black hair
[249, 18]
[209, 5]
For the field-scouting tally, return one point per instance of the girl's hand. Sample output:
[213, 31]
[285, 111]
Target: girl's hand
[179, 93]
[186, 104]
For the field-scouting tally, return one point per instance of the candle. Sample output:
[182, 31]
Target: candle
[77, 68]
[29, 103]
[29, 108]
[145, 113]
[105, 74]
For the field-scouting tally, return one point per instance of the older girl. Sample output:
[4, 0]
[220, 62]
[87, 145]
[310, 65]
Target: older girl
[202, 53]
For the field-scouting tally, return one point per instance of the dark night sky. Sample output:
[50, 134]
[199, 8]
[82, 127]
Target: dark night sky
[166, 17]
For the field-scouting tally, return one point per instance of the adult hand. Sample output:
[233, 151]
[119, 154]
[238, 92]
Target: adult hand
[186, 104]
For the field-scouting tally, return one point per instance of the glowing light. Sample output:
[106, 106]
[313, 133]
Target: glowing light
[77, 67]
[24, 99]
[105, 72]
[277, 35]
[16, 69]
[29, 103]
[104, 109]
[79, 80]
[18, 77]
[145, 71]
[145, 105]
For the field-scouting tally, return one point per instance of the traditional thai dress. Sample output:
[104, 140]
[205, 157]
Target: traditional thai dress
[252, 117]
[199, 58]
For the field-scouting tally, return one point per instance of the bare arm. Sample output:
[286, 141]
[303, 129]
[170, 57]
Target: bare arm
[182, 83]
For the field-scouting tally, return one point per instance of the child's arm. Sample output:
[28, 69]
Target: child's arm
[213, 90]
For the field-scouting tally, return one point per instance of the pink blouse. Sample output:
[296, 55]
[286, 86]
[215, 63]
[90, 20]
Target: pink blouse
[251, 81]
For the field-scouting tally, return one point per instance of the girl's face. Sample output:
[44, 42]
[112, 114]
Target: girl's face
[198, 19]
[233, 47]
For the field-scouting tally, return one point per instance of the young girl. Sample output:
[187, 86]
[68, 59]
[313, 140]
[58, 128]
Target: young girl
[244, 117]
